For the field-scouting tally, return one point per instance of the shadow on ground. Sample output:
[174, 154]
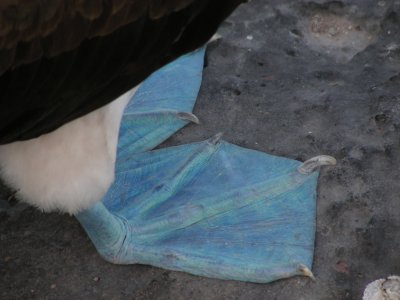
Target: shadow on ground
[291, 78]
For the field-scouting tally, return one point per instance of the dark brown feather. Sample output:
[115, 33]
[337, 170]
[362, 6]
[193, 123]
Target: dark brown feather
[26, 20]
[62, 59]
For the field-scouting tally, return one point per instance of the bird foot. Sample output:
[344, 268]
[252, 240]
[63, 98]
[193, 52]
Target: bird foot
[208, 208]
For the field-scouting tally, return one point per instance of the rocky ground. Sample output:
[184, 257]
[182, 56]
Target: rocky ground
[291, 78]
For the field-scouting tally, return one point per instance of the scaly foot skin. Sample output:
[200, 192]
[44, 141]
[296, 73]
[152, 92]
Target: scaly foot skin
[209, 208]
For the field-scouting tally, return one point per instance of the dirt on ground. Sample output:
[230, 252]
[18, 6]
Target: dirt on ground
[290, 78]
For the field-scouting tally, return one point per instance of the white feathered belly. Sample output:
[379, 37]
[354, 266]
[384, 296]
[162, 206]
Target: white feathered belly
[70, 168]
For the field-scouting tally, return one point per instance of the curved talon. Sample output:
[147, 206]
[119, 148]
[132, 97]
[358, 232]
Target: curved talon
[310, 165]
[188, 117]
[214, 38]
[216, 138]
[306, 272]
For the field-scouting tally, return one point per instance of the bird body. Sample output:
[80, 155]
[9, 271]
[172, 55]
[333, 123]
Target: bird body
[76, 137]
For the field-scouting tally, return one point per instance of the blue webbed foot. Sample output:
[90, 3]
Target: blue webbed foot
[209, 208]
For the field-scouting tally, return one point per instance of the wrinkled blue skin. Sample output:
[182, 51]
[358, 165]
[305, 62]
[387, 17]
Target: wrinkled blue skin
[209, 208]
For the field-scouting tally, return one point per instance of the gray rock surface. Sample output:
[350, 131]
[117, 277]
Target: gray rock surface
[291, 78]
